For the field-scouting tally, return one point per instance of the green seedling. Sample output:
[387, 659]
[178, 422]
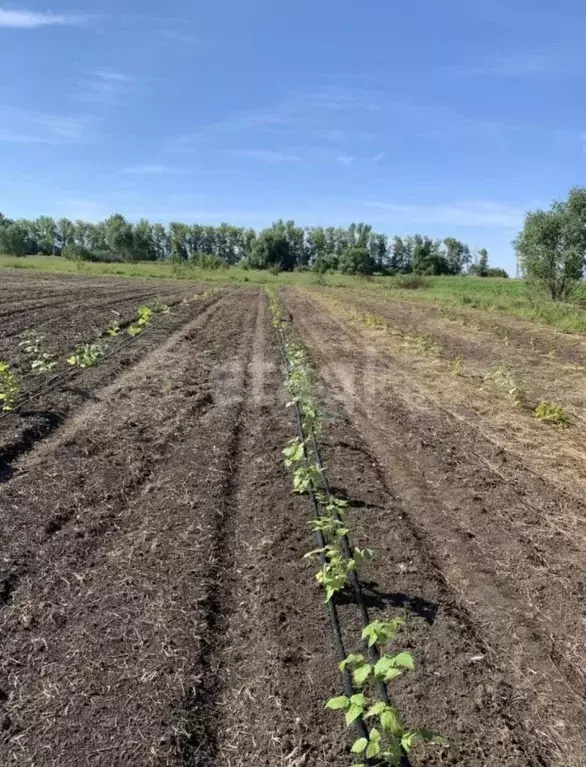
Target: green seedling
[86, 355]
[41, 360]
[504, 376]
[305, 478]
[44, 363]
[9, 387]
[382, 632]
[161, 308]
[145, 314]
[114, 329]
[294, 452]
[551, 413]
[390, 740]
[336, 568]
[329, 526]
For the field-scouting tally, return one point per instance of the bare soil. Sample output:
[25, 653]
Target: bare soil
[155, 608]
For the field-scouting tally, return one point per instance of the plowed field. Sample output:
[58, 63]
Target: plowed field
[155, 607]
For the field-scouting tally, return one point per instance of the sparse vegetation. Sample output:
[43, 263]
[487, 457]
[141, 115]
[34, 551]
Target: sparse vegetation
[41, 360]
[145, 314]
[86, 355]
[9, 387]
[504, 376]
[551, 413]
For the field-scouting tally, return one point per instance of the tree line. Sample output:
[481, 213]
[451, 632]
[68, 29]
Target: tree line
[285, 246]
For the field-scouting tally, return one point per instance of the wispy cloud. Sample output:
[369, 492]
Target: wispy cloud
[151, 170]
[330, 116]
[378, 158]
[102, 87]
[473, 213]
[266, 155]
[108, 76]
[22, 126]
[518, 65]
[23, 19]
[345, 159]
[23, 138]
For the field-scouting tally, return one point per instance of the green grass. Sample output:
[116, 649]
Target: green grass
[493, 294]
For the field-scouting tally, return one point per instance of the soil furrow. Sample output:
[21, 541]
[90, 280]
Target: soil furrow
[453, 511]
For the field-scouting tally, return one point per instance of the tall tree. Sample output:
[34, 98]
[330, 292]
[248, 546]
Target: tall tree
[457, 255]
[46, 235]
[552, 246]
[119, 237]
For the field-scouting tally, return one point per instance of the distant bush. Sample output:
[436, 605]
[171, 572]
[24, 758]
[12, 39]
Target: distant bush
[207, 261]
[326, 263]
[76, 253]
[411, 282]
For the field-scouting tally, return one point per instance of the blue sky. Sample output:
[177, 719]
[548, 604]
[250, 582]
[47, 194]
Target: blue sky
[440, 118]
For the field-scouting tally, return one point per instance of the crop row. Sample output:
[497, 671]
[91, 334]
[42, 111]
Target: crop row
[41, 360]
[382, 739]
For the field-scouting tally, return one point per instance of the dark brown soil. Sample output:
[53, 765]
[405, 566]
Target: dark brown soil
[154, 605]
[155, 608]
[46, 400]
[469, 531]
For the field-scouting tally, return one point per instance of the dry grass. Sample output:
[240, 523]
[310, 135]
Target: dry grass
[501, 410]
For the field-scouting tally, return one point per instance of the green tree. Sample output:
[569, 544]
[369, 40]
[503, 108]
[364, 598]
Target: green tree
[143, 241]
[356, 261]
[401, 256]
[379, 248]
[273, 248]
[456, 255]
[483, 262]
[15, 239]
[427, 256]
[552, 246]
[64, 234]
[46, 235]
[480, 267]
[119, 237]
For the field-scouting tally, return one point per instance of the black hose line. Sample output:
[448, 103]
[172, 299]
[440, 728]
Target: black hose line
[331, 609]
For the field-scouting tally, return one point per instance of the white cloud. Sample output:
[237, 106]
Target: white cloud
[475, 213]
[516, 65]
[151, 170]
[23, 138]
[266, 155]
[103, 87]
[34, 19]
[23, 126]
[109, 76]
[378, 157]
[345, 159]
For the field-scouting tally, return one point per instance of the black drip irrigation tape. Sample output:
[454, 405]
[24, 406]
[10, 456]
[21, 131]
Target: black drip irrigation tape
[373, 652]
[333, 617]
[67, 375]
